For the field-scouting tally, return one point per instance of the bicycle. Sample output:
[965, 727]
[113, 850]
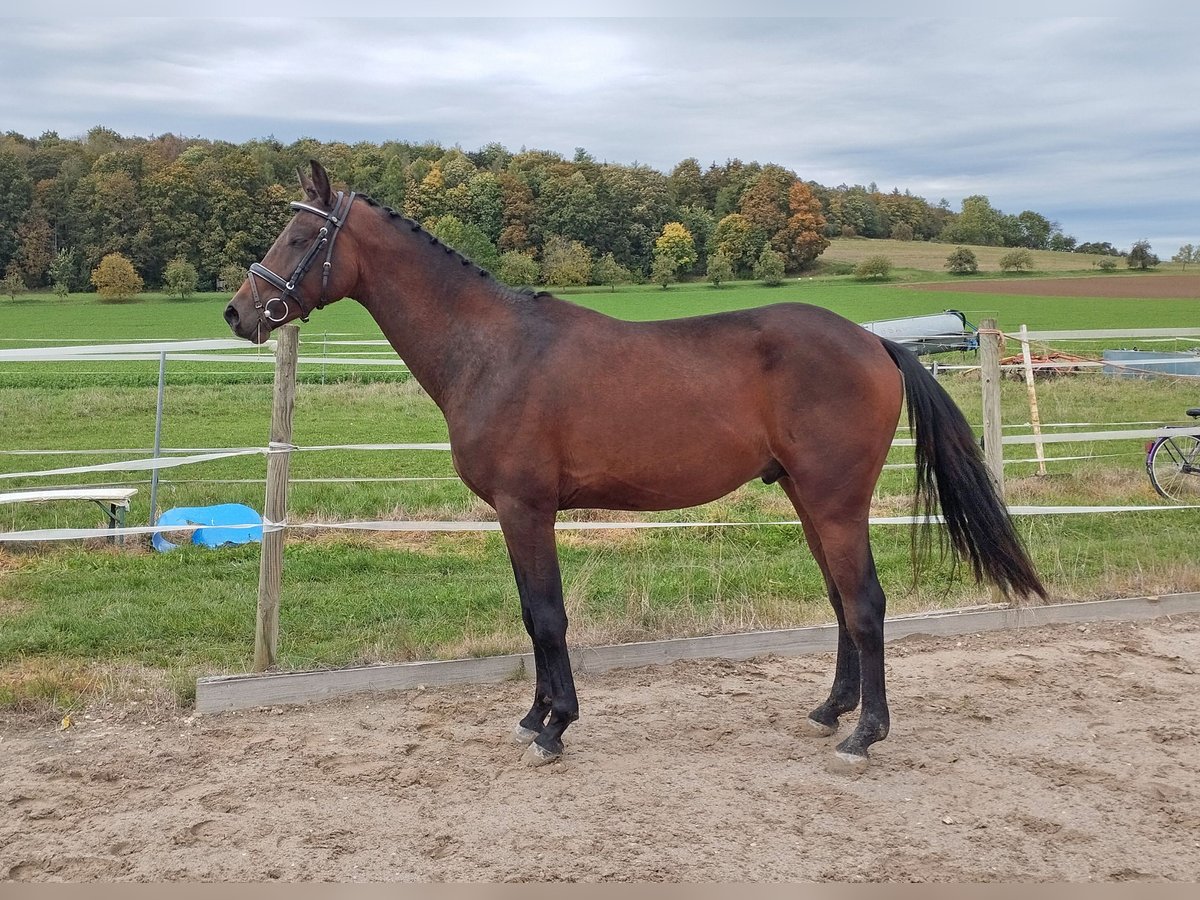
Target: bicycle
[1173, 464]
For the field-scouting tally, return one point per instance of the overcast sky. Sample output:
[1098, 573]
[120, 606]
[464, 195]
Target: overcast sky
[1094, 123]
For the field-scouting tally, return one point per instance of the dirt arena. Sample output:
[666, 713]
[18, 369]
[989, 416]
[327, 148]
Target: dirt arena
[1056, 753]
[1137, 287]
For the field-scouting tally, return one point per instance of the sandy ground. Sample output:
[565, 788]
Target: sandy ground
[1052, 753]
[1164, 287]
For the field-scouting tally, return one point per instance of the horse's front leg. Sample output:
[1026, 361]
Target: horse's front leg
[529, 533]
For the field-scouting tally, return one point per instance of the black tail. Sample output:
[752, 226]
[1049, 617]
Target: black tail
[951, 472]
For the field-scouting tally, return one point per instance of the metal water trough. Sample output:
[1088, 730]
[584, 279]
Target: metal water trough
[938, 333]
[1151, 363]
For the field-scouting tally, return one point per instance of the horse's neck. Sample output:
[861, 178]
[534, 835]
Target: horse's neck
[443, 318]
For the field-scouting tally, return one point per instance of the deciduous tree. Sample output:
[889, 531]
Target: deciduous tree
[663, 271]
[962, 261]
[732, 238]
[803, 239]
[565, 262]
[1187, 254]
[608, 271]
[518, 269]
[1141, 257]
[676, 244]
[1016, 260]
[12, 283]
[115, 278]
[180, 278]
[770, 267]
[720, 269]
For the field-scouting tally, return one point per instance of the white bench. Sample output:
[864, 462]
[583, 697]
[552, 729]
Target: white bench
[113, 500]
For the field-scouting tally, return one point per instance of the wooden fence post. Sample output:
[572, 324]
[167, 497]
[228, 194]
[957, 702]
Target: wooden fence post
[270, 571]
[1035, 417]
[989, 370]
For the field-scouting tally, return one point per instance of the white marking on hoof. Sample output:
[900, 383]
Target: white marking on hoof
[816, 729]
[848, 763]
[523, 736]
[537, 755]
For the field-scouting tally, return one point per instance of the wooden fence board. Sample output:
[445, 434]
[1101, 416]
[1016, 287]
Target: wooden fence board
[231, 692]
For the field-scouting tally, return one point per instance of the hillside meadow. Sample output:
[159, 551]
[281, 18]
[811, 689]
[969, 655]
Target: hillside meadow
[86, 621]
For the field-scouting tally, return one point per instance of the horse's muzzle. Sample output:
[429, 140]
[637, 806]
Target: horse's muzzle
[252, 329]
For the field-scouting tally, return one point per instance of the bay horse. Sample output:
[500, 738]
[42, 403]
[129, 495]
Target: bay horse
[551, 406]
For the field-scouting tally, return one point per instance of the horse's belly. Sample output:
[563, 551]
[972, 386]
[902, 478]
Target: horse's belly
[670, 478]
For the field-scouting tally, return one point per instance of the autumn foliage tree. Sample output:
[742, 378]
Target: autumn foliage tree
[116, 278]
[804, 238]
[676, 244]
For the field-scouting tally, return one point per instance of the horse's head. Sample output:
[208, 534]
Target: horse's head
[300, 273]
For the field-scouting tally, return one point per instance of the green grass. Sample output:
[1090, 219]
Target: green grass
[81, 621]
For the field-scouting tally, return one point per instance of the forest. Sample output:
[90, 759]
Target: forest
[531, 216]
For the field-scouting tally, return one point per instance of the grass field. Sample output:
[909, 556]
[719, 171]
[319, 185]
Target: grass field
[78, 622]
[930, 257]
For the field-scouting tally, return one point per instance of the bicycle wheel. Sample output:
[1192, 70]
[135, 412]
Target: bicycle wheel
[1174, 467]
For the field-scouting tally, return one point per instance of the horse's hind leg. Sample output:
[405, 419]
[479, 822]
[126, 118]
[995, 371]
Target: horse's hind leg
[851, 566]
[844, 694]
[846, 689]
[837, 533]
[535, 720]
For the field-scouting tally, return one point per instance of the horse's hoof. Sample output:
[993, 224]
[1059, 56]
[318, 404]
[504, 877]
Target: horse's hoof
[537, 755]
[523, 736]
[813, 728]
[842, 763]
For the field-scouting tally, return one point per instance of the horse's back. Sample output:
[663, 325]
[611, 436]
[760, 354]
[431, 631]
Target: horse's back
[677, 412]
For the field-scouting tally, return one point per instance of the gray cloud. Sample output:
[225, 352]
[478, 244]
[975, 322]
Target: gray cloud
[1088, 121]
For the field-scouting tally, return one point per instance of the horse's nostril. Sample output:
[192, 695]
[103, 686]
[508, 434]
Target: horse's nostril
[231, 315]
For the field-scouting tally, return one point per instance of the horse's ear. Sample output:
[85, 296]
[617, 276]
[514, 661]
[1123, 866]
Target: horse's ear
[306, 185]
[318, 188]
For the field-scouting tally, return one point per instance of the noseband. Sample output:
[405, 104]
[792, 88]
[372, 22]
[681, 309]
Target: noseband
[334, 219]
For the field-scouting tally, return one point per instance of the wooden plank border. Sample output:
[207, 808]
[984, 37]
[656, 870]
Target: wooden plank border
[231, 692]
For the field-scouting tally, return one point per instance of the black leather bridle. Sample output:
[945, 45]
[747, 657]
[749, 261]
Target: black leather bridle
[334, 220]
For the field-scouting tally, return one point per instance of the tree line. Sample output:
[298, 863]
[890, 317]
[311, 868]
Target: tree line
[531, 216]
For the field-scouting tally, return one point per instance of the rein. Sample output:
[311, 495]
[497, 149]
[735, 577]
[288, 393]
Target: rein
[325, 238]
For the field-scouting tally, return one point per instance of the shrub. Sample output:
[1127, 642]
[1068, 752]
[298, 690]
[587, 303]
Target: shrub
[1108, 264]
[837, 267]
[902, 231]
[1015, 260]
[879, 267]
[962, 262]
